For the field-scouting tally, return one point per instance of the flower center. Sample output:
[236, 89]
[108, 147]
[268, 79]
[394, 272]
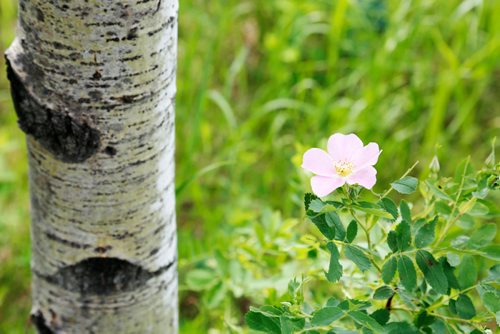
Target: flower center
[343, 168]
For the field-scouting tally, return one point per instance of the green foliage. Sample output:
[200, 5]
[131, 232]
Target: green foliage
[449, 293]
[258, 82]
[405, 185]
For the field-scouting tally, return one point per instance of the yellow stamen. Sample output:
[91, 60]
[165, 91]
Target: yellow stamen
[343, 168]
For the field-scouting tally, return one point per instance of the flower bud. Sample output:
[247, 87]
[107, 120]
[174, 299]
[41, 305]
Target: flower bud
[434, 165]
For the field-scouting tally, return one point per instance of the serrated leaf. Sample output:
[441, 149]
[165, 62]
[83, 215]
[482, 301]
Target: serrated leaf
[352, 231]
[384, 292]
[467, 272]
[405, 211]
[316, 205]
[389, 206]
[407, 273]
[403, 231]
[326, 316]
[433, 271]
[324, 226]
[356, 255]
[465, 308]
[333, 219]
[406, 185]
[425, 234]
[308, 198]
[389, 270]
[482, 236]
[365, 320]
[335, 268]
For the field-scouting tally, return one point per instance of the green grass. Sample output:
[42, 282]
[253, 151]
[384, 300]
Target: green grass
[258, 83]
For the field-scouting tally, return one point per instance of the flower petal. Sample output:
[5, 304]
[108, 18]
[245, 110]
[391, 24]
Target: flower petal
[343, 147]
[366, 177]
[318, 162]
[367, 156]
[323, 186]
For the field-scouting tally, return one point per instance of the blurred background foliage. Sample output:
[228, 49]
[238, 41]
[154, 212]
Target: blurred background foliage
[260, 81]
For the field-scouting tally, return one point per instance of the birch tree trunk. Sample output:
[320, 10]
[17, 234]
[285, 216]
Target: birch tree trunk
[93, 84]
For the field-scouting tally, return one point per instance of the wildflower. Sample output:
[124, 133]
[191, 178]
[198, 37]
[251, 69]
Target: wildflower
[347, 161]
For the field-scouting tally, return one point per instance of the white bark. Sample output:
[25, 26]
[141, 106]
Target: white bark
[93, 83]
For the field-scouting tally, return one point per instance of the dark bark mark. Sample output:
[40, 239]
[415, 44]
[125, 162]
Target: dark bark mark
[103, 276]
[68, 243]
[38, 320]
[69, 140]
[109, 150]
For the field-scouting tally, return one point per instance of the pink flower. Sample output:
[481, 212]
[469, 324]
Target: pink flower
[347, 161]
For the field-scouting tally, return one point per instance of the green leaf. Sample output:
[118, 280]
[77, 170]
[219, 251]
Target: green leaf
[366, 321]
[215, 296]
[333, 219]
[308, 198]
[392, 241]
[423, 319]
[406, 185]
[384, 292]
[483, 236]
[335, 268]
[490, 296]
[401, 328]
[324, 226]
[352, 231]
[438, 193]
[263, 322]
[433, 271]
[425, 234]
[449, 273]
[372, 209]
[491, 252]
[405, 211]
[291, 325]
[201, 279]
[326, 316]
[381, 316]
[403, 231]
[465, 308]
[407, 273]
[467, 272]
[356, 255]
[389, 270]
[389, 206]
[452, 304]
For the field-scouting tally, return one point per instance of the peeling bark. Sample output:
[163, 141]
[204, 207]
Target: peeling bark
[93, 85]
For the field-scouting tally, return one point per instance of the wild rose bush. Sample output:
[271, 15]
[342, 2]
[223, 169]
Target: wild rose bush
[394, 267]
